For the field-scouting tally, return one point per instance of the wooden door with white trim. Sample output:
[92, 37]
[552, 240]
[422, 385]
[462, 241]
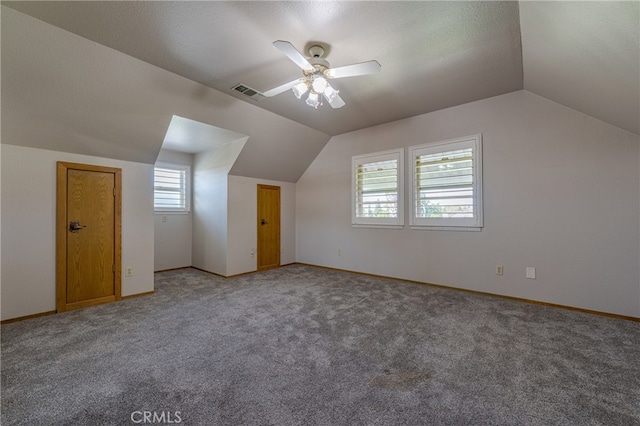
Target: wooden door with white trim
[88, 235]
[268, 227]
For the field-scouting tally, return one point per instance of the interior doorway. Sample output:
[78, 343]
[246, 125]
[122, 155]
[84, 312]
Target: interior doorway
[268, 227]
[89, 223]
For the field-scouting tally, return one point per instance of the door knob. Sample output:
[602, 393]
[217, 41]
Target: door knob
[75, 226]
[263, 222]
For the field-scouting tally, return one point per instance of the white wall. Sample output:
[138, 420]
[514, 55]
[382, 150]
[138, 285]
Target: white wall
[243, 218]
[172, 247]
[210, 170]
[561, 193]
[29, 234]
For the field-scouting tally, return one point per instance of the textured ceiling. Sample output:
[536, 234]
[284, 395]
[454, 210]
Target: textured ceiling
[585, 55]
[434, 55]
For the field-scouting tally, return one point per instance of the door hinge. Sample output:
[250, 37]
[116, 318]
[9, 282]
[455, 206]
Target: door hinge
[114, 191]
[113, 268]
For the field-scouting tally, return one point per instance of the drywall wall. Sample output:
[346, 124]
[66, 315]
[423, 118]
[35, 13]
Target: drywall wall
[210, 200]
[173, 231]
[561, 194]
[28, 227]
[242, 223]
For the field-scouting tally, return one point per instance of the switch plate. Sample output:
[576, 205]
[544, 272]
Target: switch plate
[499, 270]
[530, 272]
[128, 272]
[164, 218]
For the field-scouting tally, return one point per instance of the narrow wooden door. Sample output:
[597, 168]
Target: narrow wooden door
[268, 227]
[88, 235]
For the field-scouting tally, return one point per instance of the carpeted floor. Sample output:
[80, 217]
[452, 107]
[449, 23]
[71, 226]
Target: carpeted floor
[307, 346]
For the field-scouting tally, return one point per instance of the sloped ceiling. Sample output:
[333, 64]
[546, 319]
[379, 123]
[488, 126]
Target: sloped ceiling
[192, 137]
[66, 93]
[585, 55]
[434, 55]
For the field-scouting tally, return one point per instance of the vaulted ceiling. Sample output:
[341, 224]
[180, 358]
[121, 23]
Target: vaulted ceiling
[434, 55]
[117, 79]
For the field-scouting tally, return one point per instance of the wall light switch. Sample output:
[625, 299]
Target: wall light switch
[164, 218]
[499, 270]
[530, 272]
[128, 272]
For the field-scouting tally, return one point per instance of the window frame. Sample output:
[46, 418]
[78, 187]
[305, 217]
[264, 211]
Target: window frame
[475, 223]
[378, 222]
[187, 189]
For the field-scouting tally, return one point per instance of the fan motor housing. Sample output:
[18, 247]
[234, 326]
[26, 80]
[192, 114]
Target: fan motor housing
[319, 64]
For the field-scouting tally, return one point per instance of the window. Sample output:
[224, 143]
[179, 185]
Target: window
[377, 189]
[447, 184]
[171, 188]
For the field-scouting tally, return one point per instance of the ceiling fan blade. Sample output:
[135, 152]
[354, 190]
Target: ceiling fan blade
[293, 54]
[337, 101]
[363, 68]
[282, 88]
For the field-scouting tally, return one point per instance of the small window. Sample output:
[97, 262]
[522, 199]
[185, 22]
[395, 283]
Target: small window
[377, 189]
[171, 188]
[447, 184]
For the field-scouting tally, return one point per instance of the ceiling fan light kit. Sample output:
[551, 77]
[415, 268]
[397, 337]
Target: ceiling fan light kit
[316, 75]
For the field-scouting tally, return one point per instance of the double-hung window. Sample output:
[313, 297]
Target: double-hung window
[377, 189]
[446, 185]
[171, 188]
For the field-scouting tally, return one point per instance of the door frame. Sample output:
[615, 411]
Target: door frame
[258, 245]
[61, 235]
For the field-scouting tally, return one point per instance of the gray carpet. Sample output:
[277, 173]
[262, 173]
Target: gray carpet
[307, 346]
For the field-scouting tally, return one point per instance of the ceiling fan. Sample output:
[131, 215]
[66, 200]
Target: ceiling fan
[316, 75]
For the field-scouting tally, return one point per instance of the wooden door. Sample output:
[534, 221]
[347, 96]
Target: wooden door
[88, 235]
[268, 227]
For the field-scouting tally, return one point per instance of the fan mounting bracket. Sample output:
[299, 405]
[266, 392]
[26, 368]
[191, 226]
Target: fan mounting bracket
[316, 51]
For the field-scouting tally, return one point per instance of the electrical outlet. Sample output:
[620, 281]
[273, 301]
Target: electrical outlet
[499, 270]
[128, 272]
[164, 218]
[253, 252]
[530, 272]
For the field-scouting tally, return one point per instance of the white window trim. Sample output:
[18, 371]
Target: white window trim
[175, 166]
[449, 224]
[378, 222]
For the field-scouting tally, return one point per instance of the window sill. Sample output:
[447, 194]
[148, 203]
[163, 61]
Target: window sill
[162, 212]
[447, 228]
[367, 225]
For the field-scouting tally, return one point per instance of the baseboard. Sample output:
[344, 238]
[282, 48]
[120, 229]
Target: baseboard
[208, 272]
[235, 275]
[173, 269]
[132, 296]
[43, 314]
[517, 299]
[26, 317]
[240, 274]
[225, 276]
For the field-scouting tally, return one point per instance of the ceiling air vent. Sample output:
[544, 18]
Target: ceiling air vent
[248, 91]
